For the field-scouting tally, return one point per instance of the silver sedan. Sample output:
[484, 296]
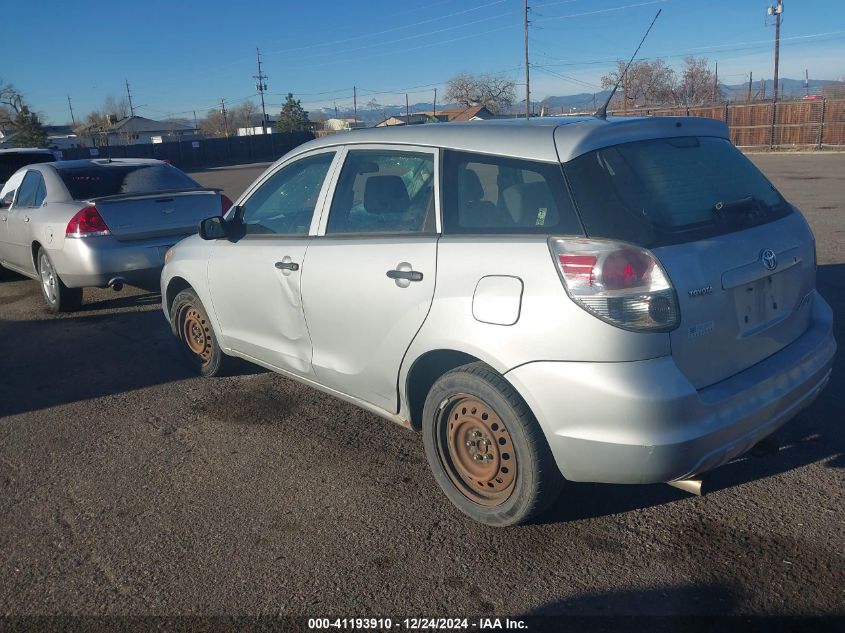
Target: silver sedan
[97, 223]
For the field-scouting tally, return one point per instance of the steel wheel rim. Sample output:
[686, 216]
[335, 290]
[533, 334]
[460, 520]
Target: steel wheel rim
[476, 450]
[48, 278]
[196, 334]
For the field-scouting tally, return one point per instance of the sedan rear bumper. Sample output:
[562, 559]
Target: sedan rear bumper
[643, 422]
[96, 261]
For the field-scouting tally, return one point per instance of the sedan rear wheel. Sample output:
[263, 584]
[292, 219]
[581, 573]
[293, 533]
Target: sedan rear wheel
[58, 296]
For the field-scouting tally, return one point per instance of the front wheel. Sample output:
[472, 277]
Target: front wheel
[486, 450]
[195, 336]
[58, 296]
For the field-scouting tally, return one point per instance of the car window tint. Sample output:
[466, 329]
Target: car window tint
[41, 193]
[285, 203]
[383, 191]
[669, 191]
[28, 189]
[110, 179]
[494, 194]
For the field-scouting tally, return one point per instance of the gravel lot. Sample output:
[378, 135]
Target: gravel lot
[127, 486]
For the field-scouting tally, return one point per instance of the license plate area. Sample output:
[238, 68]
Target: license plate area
[760, 304]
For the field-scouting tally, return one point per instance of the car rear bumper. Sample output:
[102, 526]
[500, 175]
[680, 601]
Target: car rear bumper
[643, 422]
[96, 261]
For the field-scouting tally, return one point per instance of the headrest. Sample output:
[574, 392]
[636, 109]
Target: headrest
[470, 186]
[525, 201]
[385, 194]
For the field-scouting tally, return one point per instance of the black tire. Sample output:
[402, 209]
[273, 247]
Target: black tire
[58, 296]
[195, 337]
[474, 405]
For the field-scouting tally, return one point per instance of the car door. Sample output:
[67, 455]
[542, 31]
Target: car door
[255, 281]
[28, 200]
[368, 278]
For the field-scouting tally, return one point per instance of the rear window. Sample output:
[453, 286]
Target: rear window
[95, 181]
[11, 162]
[670, 191]
[497, 195]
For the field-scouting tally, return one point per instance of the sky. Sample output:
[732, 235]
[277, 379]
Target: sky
[181, 57]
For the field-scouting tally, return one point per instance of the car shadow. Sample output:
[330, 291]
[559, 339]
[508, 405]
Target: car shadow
[814, 435]
[124, 301]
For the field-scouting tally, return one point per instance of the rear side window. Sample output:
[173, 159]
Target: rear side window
[31, 191]
[111, 179]
[670, 191]
[493, 194]
[13, 161]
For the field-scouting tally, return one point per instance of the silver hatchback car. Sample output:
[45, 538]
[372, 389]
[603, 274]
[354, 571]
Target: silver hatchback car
[626, 301]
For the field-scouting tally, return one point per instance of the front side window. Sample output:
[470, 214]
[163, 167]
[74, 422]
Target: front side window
[499, 195]
[384, 191]
[285, 203]
[28, 192]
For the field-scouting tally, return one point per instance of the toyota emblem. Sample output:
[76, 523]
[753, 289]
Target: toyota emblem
[770, 260]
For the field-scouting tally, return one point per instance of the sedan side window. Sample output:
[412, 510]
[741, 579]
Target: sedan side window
[382, 191]
[28, 192]
[285, 203]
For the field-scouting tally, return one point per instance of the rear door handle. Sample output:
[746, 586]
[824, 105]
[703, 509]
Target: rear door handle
[410, 275]
[287, 265]
[26, 219]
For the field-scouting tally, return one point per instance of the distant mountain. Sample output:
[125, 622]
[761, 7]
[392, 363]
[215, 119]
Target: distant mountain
[588, 101]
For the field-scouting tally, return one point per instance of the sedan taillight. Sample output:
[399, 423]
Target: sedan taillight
[87, 223]
[620, 283]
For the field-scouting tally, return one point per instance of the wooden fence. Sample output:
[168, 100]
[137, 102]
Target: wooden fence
[808, 123]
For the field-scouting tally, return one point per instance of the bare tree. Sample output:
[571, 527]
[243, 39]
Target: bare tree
[214, 124]
[11, 104]
[697, 84]
[645, 83]
[246, 115]
[379, 109]
[116, 108]
[495, 92]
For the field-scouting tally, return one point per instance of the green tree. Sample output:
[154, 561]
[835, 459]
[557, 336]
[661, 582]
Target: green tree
[30, 132]
[293, 118]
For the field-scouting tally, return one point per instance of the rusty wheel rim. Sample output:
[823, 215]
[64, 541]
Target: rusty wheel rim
[196, 334]
[477, 450]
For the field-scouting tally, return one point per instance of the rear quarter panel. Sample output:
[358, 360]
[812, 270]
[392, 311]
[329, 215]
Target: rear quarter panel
[549, 326]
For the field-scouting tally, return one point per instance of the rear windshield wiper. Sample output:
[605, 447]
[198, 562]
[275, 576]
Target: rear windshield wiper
[747, 208]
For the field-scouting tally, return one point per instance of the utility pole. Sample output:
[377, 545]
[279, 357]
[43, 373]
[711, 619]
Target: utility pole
[354, 105]
[407, 107]
[73, 120]
[261, 86]
[434, 105]
[750, 79]
[335, 109]
[806, 82]
[527, 72]
[763, 89]
[776, 11]
[225, 120]
[196, 125]
[716, 84]
[129, 95]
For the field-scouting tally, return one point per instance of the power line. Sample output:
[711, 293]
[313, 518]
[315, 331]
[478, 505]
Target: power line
[596, 12]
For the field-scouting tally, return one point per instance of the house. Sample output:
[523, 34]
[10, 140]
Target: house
[137, 130]
[343, 124]
[469, 113]
[269, 126]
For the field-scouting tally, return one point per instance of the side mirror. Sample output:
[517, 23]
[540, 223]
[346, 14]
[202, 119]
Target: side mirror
[213, 228]
[6, 201]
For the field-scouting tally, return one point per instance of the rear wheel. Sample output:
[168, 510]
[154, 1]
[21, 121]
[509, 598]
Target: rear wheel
[197, 341]
[486, 450]
[58, 296]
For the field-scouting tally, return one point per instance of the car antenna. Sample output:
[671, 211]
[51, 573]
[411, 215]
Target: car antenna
[601, 113]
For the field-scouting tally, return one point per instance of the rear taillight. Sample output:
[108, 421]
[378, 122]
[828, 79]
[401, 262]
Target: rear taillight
[87, 223]
[225, 204]
[620, 283]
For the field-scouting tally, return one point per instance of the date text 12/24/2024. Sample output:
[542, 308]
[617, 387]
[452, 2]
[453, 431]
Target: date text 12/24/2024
[415, 624]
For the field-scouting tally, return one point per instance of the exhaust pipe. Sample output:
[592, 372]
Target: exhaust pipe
[692, 486]
[116, 284]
